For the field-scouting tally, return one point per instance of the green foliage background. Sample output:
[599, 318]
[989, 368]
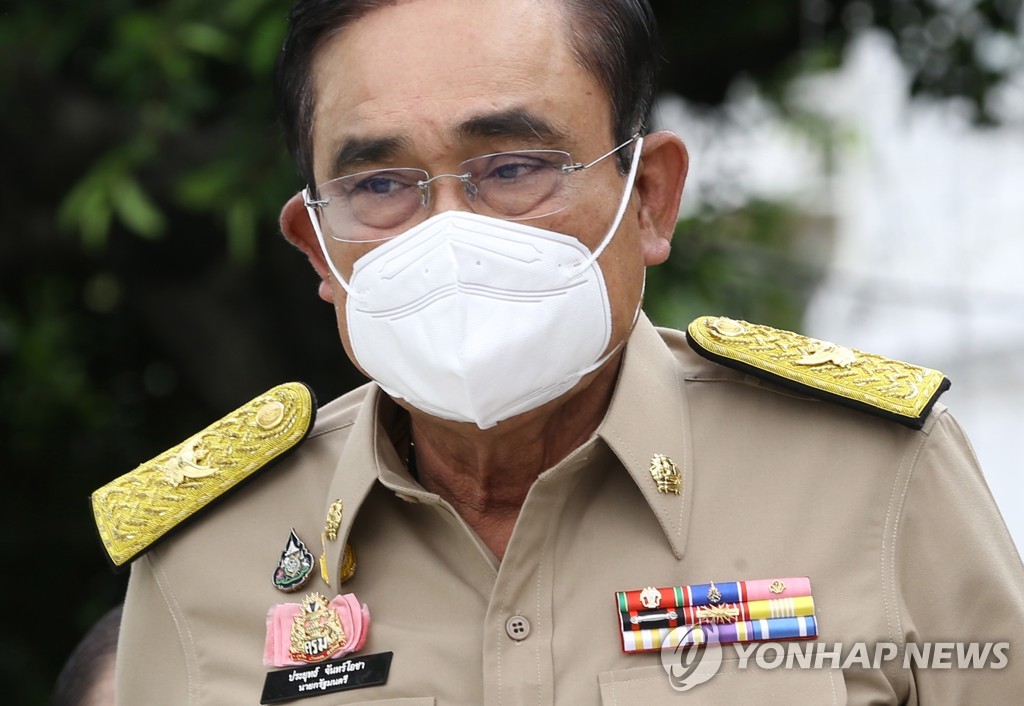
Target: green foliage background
[144, 290]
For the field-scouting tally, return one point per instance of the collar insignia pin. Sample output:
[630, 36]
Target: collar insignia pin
[666, 475]
[324, 573]
[348, 564]
[334, 519]
[331, 527]
[295, 566]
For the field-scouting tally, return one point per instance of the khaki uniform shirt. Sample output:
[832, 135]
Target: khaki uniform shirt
[895, 528]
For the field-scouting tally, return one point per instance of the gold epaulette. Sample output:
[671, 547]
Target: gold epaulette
[138, 509]
[899, 391]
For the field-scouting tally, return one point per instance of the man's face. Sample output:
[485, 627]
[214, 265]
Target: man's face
[430, 83]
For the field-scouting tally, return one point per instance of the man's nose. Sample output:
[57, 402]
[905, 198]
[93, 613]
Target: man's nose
[450, 192]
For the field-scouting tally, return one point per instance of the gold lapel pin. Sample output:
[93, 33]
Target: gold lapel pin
[666, 475]
[331, 526]
[334, 519]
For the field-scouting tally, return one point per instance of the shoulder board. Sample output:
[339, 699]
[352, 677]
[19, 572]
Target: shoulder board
[898, 391]
[140, 508]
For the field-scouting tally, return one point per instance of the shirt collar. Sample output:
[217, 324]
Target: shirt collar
[647, 415]
[367, 449]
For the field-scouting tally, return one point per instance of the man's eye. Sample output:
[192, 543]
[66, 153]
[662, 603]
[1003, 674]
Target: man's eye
[380, 185]
[513, 171]
[518, 167]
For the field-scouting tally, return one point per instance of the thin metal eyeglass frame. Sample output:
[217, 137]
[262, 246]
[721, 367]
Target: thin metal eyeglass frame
[471, 190]
[466, 179]
[424, 184]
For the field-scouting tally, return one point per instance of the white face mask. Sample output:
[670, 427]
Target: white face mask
[476, 319]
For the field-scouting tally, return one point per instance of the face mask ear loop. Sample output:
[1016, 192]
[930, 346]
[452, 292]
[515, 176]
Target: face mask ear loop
[623, 204]
[636, 317]
[311, 211]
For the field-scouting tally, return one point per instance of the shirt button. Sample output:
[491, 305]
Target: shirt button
[518, 628]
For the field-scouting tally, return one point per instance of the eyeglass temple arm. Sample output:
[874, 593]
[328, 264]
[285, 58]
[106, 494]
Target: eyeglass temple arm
[578, 166]
[307, 197]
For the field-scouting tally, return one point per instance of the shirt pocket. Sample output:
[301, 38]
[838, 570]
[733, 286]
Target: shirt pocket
[730, 685]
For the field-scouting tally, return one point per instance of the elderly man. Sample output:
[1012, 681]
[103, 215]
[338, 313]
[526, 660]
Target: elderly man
[539, 489]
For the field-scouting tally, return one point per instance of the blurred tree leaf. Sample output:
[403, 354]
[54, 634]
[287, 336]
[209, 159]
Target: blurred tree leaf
[207, 39]
[135, 208]
[737, 263]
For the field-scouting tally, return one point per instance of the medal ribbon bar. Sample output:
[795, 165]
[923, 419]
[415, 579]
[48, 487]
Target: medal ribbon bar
[730, 592]
[801, 628]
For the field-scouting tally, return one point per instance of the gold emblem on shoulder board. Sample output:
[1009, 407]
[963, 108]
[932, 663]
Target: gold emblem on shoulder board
[727, 327]
[650, 598]
[191, 462]
[666, 475]
[822, 353]
[270, 415]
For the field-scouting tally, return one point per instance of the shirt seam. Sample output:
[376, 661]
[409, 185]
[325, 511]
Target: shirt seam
[337, 427]
[181, 626]
[897, 501]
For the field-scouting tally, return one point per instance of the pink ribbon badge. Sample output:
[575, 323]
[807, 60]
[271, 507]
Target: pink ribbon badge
[315, 630]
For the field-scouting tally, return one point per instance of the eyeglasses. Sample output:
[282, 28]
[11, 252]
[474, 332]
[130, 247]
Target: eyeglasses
[381, 203]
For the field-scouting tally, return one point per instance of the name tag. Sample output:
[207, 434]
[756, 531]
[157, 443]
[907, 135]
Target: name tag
[326, 678]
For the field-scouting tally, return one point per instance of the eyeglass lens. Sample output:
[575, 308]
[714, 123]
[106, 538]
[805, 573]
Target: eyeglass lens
[512, 185]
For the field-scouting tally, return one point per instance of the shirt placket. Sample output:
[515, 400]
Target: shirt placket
[518, 628]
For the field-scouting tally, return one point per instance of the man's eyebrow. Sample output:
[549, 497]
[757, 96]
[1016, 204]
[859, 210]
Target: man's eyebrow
[517, 123]
[359, 150]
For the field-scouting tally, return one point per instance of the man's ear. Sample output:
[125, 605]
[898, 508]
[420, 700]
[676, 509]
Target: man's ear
[659, 184]
[298, 229]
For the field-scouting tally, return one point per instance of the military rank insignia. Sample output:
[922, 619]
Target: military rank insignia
[140, 508]
[899, 391]
[738, 611]
[666, 475]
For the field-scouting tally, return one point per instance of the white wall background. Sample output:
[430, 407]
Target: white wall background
[927, 236]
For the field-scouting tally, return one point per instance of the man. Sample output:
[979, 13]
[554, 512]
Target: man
[87, 677]
[483, 199]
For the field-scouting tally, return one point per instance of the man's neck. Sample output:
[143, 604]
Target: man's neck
[485, 474]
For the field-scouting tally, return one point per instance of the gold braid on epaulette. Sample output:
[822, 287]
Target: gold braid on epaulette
[138, 509]
[899, 391]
